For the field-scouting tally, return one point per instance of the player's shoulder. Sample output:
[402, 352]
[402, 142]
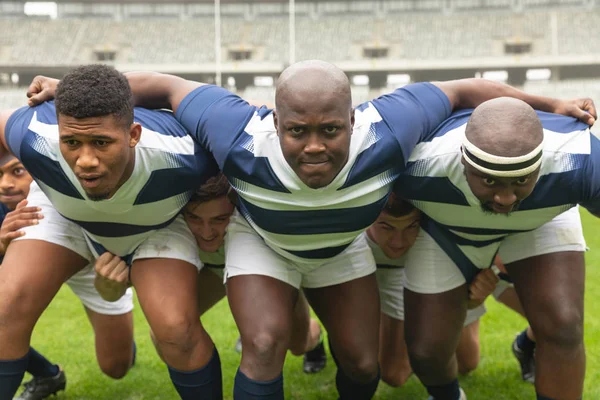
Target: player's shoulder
[44, 113]
[160, 121]
[561, 123]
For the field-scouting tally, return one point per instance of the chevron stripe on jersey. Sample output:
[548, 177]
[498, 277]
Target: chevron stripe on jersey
[435, 182]
[169, 166]
[296, 221]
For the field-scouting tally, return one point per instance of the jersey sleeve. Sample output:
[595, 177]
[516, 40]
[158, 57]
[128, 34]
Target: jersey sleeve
[17, 127]
[215, 117]
[413, 111]
[591, 179]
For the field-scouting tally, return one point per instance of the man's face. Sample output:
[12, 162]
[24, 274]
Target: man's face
[99, 151]
[208, 222]
[14, 183]
[395, 235]
[499, 195]
[314, 133]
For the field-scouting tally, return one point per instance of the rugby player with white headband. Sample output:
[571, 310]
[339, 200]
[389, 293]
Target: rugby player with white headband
[501, 179]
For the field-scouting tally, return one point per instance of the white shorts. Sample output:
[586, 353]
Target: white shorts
[391, 294]
[173, 241]
[82, 284]
[501, 286]
[430, 270]
[246, 253]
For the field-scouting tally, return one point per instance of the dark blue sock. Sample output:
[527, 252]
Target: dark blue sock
[11, 375]
[352, 390]
[449, 391]
[540, 397]
[204, 383]
[134, 354]
[39, 365]
[525, 344]
[245, 388]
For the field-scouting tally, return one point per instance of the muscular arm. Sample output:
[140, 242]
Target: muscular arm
[469, 93]
[155, 90]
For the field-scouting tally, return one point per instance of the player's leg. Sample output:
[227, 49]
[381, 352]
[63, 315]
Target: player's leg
[112, 323]
[307, 338]
[31, 274]
[115, 348]
[435, 302]
[343, 292]
[303, 338]
[548, 269]
[167, 292]
[393, 354]
[262, 289]
[467, 351]
[33, 270]
[551, 289]
[210, 291]
[262, 307]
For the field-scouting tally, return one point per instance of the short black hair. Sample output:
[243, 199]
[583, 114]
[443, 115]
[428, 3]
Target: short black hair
[95, 91]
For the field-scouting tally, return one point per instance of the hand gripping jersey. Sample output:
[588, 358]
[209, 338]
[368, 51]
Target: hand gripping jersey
[298, 222]
[169, 166]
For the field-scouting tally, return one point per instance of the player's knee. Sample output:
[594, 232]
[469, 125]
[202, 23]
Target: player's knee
[427, 358]
[361, 367]
[468, 365]
[175, 334]
[265, 347]
[18, 308]
[395, 377]
[562, 327]
[298, 349]
[115, 367]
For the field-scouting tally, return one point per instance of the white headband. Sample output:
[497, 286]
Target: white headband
[504, 167]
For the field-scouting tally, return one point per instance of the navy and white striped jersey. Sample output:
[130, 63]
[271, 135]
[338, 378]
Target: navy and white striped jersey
[434, 181]
[381, 260]
[298, 222]
[169, 166]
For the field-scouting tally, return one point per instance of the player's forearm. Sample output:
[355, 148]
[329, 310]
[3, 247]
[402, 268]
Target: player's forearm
[155, 90]
[469, 93]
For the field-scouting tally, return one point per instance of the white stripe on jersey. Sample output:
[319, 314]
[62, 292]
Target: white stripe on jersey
[154, 152]
[441, 157]
[265, 143]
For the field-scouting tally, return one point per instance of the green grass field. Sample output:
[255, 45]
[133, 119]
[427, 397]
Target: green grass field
[65, 336]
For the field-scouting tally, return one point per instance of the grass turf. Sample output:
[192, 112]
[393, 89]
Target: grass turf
[64, 335]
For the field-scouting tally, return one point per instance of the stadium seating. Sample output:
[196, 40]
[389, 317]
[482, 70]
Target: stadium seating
[410, 35]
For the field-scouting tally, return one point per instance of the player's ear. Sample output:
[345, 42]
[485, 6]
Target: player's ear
[135, 134]
[352, 121]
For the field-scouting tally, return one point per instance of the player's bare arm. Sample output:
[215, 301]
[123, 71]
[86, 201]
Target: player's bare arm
[469, 93]
[112, 277]
[150, 89]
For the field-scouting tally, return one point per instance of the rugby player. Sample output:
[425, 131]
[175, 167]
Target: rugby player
[501, 179]
[390, 238]
[311, 175]
[112, 322]
[207, 215]
[117, 178]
